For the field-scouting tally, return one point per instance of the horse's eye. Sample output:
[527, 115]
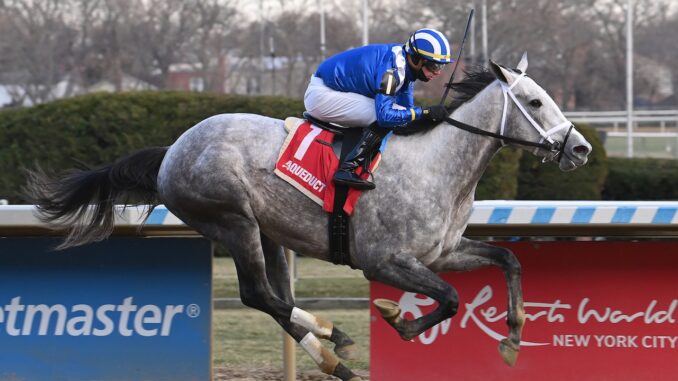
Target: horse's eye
[535, 103]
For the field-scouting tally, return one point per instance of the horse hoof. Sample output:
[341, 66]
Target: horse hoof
[389, 309]
[347, 352]
[408, 336]
[509, 352]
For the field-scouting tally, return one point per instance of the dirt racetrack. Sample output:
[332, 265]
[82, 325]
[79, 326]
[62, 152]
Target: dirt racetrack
[270, 374]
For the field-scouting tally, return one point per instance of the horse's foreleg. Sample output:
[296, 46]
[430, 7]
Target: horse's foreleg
[409, 274]
[471, 255]
[278, 276]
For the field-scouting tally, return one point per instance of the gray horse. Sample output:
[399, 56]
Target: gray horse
[218, 178]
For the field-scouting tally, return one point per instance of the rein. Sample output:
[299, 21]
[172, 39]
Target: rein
[475, 130]
[456, 63]
[544, 143]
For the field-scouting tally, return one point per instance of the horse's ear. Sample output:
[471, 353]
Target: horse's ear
[501, 73]
[522, 65]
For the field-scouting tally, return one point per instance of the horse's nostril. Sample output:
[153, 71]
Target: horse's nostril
[581, 150]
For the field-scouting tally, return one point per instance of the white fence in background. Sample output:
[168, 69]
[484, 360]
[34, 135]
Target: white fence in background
[655, 132]
[657, 120]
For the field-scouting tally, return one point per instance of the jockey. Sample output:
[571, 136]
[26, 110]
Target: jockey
[372, 86]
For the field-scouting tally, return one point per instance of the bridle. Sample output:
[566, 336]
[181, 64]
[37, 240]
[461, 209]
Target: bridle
[546, 142]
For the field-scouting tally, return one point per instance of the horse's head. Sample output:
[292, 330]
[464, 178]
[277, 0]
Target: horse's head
[533, 116]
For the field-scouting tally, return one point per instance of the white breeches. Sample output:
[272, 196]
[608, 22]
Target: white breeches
[347, 109]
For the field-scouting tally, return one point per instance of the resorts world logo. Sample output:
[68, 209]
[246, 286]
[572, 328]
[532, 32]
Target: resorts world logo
[124, 319]
[593, 324]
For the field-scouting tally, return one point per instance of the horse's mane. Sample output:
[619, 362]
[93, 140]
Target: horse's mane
[476, 78]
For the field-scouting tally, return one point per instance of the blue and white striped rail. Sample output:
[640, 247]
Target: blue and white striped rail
[542, 213]
[539, 213]
[21, 220]
[488, 218]
[574, 212]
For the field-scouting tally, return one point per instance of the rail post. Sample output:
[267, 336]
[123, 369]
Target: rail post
[289, 354]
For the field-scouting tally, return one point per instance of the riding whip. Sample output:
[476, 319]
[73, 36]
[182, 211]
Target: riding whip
[461, 48]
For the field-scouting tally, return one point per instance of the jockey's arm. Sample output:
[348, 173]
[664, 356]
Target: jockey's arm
[406, 98]
[390, 116]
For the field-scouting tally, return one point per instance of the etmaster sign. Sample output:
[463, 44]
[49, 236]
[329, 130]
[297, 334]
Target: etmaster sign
[595, 311]
[122, 309]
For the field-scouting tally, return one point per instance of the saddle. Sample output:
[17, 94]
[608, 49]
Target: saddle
[345, 138]
[308, 160]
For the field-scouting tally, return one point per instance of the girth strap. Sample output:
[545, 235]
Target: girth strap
[340, 251]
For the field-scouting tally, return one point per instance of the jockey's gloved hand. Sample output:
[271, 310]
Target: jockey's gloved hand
[435, 113]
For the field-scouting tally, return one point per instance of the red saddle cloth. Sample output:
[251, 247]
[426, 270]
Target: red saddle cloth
[308, 162]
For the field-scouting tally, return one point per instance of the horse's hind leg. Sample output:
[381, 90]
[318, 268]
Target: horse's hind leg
[471, 255]
[241, 237]
[408, 273]
[278, 276]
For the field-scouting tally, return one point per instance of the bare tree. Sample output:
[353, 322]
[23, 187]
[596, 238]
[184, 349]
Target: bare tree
[295, 34]
[656, 41]
[158, 34]
[297, 39]
[109, 58]
[84, 20]
[37, 41]
[577, 48]
[215, 35]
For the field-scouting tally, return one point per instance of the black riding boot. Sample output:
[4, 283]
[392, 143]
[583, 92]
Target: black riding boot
[369, 141]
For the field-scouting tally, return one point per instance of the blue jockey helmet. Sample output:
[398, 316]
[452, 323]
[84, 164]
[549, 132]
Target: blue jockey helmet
[430, 45]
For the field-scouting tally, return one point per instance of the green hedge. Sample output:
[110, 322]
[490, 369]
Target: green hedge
[641, 179]
[500, 180]
[98, 128]
[539, 181]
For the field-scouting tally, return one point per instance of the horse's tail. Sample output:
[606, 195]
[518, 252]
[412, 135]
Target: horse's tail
[84, 201]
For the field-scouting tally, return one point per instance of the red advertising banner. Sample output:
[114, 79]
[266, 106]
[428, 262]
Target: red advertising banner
[595, 311]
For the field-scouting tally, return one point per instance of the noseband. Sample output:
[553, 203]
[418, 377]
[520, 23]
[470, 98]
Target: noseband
[546, 142]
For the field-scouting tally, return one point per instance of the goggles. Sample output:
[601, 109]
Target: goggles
[434, 66]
